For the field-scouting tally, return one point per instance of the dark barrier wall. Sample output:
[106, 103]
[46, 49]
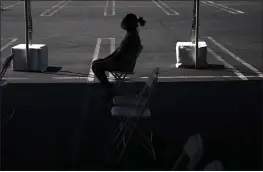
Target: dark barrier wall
[67, 126]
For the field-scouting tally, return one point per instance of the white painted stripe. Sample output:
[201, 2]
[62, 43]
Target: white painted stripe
[113, 7]
[59, 8]
[112, 49]
[68, 77]
[95, 57]
[106, 7]
[18, 78]
[212, 5]
[236, 57]
[10, 6]
[159, 6]
[237, 11]
[241, 3]
[174, 12]
[198, 77]
[239, 74]
[134, 79]
[44, 14]
[83, 6]
[8, 44]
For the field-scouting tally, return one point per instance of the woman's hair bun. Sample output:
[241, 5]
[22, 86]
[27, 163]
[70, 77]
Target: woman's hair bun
[141, 21]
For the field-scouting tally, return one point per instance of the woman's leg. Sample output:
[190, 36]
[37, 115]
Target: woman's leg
[98, 68]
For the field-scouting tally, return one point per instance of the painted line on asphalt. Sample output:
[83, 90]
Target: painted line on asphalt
[112, 49]
[219, 58]
[142, 77]
[224, 49]
[8, 44]
[54, 9]
[106, 7]
[113, 7]
[95, 57]
[159, 6]
[174, 12]
[222, 7]
[59, 8]
[10, 6]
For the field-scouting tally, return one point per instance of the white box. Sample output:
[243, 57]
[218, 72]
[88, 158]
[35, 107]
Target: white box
[37, 61]
[185, 54]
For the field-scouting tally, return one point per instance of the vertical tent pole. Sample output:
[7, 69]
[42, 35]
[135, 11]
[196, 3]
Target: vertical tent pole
[30, 23]
[26, 30]
[196, 31]
[193, 23]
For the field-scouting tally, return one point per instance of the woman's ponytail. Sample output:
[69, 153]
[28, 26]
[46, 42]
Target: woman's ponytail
[141, 21]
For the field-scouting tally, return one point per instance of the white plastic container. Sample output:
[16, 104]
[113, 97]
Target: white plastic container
[37, 61]
[185, 54]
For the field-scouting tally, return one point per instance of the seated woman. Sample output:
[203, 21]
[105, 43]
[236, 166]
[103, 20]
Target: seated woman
[120, 58]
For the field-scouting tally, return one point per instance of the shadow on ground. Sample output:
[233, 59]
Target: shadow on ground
[67, 126]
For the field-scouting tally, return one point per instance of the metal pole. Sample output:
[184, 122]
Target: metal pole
[193, 23]
[26, 30]
[196, 32]
[30, 23]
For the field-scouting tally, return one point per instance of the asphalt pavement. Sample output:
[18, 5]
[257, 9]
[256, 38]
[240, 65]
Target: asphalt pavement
[77, 32]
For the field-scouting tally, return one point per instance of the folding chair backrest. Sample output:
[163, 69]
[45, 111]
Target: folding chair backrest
[150, 84]
[135, 59]
[192, 153]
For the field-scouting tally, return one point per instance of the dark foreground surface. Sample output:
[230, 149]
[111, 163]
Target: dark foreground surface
[67, 126]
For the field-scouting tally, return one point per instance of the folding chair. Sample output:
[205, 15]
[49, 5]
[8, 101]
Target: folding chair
[214, 166]
[191, 155]
[143, 95]
[130, 116]
[121, 75]
[3, 83]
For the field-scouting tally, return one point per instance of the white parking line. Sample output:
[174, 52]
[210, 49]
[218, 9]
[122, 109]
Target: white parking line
[44, 14]
[142, 77]
[159, 6]
[95, 57]
[10, 6]
[222, 7]
[59, 5]
[239, 74]
[197, 77]
[236, 57]
[8, 44]
[106, 7]
[174, 12]
[113, 7]
[112, 49]
[241, 3]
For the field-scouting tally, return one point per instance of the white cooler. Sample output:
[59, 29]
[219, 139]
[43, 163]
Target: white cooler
[38, 59]
[185, 54]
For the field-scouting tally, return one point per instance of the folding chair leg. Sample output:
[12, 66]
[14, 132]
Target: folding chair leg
[148, 142]
[125, 146]
[121, 128]
[122, 140]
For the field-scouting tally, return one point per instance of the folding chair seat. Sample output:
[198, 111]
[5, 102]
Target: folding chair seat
[130, 111]
[191, 154]
[143, 95]
[130, 116]
[214, 166]
[121, 75]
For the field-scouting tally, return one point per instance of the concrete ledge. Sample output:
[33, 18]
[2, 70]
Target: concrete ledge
[66, 126]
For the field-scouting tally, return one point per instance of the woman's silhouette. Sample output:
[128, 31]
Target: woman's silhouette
[121, 58]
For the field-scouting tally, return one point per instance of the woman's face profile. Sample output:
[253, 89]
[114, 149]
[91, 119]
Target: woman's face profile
[123, 25]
